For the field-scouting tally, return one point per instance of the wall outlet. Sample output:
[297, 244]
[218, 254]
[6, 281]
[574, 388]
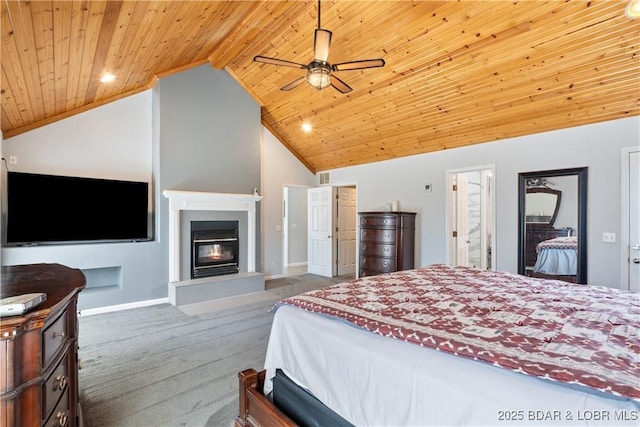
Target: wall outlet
[13, 160]
[609, 237]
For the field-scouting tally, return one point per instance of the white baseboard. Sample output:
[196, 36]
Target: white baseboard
[297, 264]
[119, 307]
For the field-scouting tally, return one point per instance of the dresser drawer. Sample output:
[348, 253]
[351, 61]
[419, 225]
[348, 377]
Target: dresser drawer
[377, 235]
[55, 386]
[60, 417]
[53, 338]
[378, 220]
[377, 249]
[384, 265]
[369, 273]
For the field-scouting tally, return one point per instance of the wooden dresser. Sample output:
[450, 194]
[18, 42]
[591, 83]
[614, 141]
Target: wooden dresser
[536, 235]
[387, 241]
[39, 364]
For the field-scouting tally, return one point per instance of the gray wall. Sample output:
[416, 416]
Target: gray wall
[209, 133]
[279, 169]
[197, 130]
[209, 139]
[297, 225]
[597, 146]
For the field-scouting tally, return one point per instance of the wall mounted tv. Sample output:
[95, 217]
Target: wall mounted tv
[53, 209]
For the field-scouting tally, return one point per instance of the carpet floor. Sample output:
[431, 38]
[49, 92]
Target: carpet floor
[165, 366]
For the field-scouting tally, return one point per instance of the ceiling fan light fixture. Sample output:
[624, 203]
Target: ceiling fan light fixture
[319, 71]
[319, 76]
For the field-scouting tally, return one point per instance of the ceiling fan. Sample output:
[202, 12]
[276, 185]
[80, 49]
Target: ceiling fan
[319, 71]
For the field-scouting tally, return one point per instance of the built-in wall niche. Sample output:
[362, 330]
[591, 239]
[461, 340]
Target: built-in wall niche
[103, 278]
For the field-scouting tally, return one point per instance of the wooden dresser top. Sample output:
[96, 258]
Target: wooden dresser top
[59, 282]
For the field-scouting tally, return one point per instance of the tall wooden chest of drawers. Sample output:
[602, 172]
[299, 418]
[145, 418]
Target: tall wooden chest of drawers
[39, 363]
[387, 241]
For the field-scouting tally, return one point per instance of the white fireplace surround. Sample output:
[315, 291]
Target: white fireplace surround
[202, 201]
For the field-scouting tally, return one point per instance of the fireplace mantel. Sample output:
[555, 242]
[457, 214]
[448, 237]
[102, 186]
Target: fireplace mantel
[202, 201]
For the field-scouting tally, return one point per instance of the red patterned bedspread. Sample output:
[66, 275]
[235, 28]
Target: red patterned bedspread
[577, 334]
[558, 243]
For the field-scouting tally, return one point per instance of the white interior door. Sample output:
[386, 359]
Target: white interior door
[320, 249]
[471, 222]
[634, 221]
[346, 231]
[462, 221]
[285, 227]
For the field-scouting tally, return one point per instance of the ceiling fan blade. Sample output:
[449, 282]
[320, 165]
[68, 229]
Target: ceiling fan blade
[340, 85]
[358, 65]
[297, 82]
[321, 43]
[275, 61]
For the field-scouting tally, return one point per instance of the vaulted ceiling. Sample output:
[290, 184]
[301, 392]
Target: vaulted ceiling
[457, 72]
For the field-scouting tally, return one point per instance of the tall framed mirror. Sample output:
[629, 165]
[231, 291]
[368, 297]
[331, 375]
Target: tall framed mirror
[552, 218]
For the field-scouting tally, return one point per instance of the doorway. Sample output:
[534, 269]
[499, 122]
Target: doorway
[471, 219]
[346, 230]
[332, 230]
[294, 230]
[630, 226]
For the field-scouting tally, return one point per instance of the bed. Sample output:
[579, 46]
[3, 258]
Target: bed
[446, 345]
[557, 257]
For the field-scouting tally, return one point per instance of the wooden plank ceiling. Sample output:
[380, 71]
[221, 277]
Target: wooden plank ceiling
[457, 72]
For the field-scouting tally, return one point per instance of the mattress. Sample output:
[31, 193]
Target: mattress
[370, 379]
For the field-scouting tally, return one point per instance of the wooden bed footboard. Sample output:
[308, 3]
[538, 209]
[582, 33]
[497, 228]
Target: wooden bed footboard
[254, 409]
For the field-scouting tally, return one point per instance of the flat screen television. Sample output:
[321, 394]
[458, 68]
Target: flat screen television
[53, 209]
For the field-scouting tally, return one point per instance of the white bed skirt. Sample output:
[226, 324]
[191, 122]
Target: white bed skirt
[563, 262]
[372, 380]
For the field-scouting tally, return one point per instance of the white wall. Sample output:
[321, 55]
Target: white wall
[279, 169]
[596, 146]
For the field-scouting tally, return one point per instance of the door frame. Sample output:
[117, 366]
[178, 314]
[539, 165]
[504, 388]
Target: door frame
[450, 204]
[625, 243]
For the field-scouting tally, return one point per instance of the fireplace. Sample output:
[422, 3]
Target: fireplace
[214, 248]
[184, 290]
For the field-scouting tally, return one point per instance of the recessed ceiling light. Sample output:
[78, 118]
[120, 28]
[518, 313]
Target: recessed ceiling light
[306, 127]
[633, 9]
[107, 78]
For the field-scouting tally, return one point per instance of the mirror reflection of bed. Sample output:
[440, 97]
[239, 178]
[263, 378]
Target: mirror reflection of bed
[551, 241]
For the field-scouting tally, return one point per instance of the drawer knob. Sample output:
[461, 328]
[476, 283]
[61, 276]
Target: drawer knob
[59, 334]
[364, 247]
[386, 263]
[62, 419]
[386, 250]
[364, 260]
[60, 383]
[386, 235]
